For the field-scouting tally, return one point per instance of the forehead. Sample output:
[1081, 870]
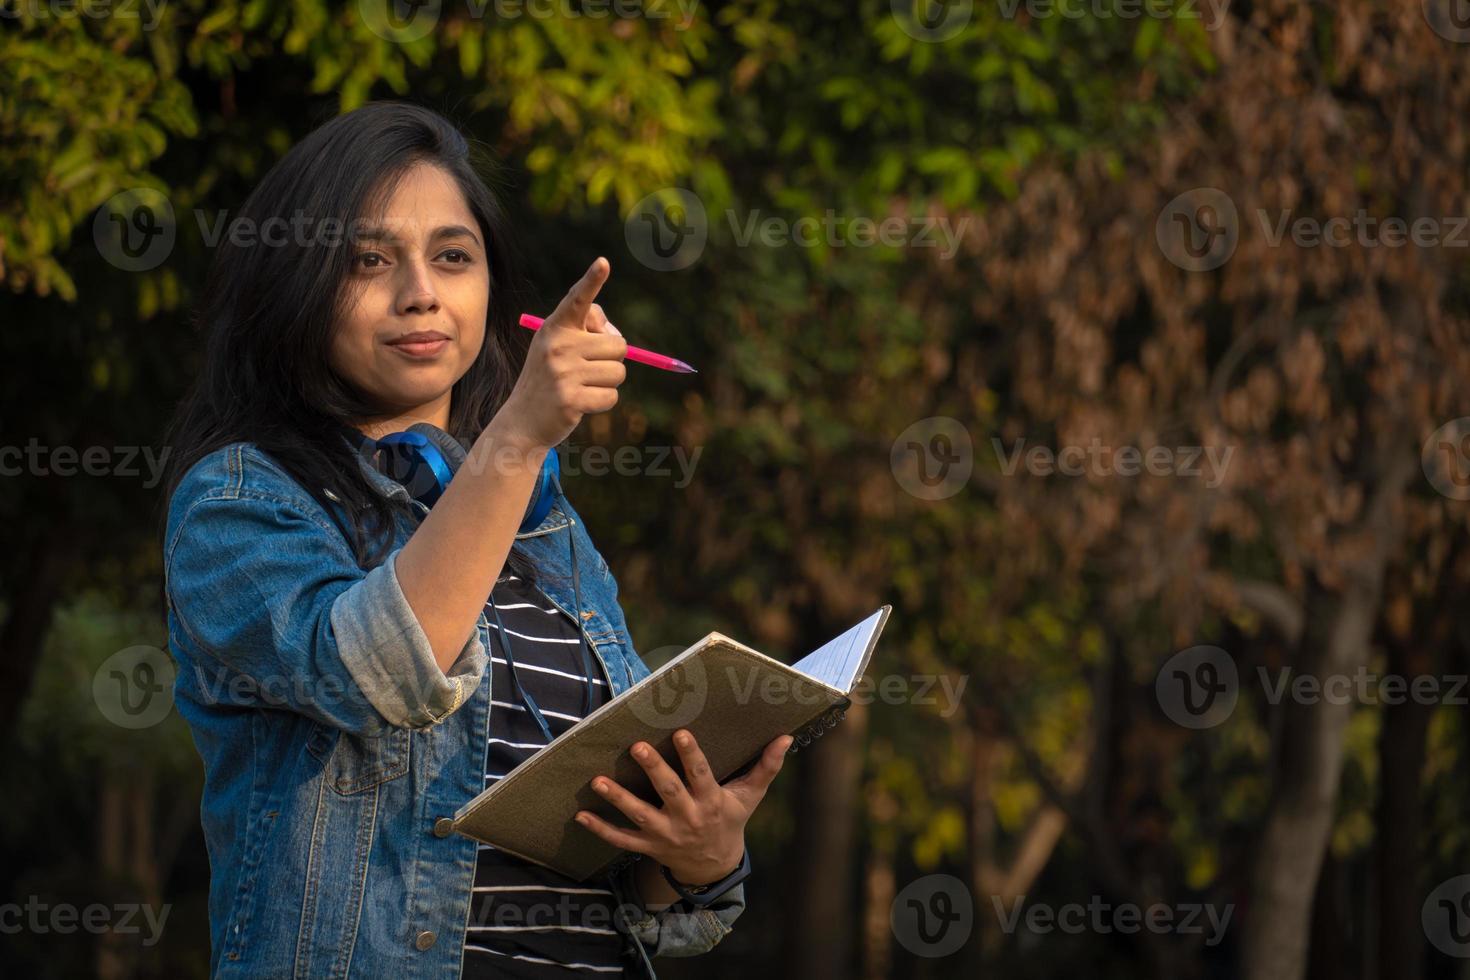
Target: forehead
[425, 197]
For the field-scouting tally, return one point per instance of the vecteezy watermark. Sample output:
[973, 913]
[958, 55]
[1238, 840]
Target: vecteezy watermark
[933, 916]
[134, 230]
[1199, 230]
[1446, 459]
[134, 688]
[144, 11]
[941, 691]
[847, 231]
[569, 911]
[1450, 19]
[1097, 459]
[631, 461]
[1363, 686]
[933, 458]
[1445, 916]
[669, 229]
[34, 459]
[1199, 687]
[1103, 917]
[1212, 12]
[1367, 231]
[406, 21]
[41, 917]
[680, 698]
[932, 21]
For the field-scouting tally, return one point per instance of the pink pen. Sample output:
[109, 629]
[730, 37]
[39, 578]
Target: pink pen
[638, 354]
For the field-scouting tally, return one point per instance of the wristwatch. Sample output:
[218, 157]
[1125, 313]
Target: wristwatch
[701, 895]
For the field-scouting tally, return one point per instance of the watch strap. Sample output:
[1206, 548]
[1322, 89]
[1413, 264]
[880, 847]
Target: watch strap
[701, 895]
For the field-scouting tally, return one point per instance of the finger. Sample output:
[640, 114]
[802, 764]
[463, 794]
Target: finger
[665, 781]
[605, 374]
[595, 400]
[696, 767]
[572, 311]
[596, 321]
[754, 784]
[616, 836]
[602, 347]
[644, 816]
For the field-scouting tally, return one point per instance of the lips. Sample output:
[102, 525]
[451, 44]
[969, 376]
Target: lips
[419, 337]
[421, 344]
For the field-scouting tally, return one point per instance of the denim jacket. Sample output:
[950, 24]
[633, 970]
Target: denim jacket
[335, 748]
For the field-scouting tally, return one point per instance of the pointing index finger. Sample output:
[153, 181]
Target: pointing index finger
[572, 311]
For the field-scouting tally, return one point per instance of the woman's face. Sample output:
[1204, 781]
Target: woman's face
[417, 297]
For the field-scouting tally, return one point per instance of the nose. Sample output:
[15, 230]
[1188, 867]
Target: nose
[416, 292]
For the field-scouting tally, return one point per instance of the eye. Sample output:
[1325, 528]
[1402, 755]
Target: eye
[369, 260]
[458, 256]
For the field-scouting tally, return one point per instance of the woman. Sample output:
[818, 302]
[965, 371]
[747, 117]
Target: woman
[356, 664]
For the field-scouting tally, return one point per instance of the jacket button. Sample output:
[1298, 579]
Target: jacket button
[443, 827]
[424, 940]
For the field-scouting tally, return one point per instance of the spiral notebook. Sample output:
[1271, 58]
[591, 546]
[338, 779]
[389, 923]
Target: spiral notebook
[735, 700]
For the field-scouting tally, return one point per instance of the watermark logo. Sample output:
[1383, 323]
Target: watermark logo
[135, 229]
[1446, 917]
[1199, 229]
[836, 230]
[1210, 463]
[147, 12]
[1103, 917]
[1450, 19]
[1446, 459]
[134, 688]
[399, 21]
[933, 916]
[933, 458]
[681, 697]
[667, 230]
[933, 21]
[1214, 16]
[1198, 688]
[63, 918]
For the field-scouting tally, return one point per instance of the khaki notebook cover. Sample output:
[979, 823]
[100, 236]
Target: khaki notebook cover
[734, 699]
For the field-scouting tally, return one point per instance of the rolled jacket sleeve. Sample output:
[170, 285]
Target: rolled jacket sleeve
[270, 590]
[676, 931]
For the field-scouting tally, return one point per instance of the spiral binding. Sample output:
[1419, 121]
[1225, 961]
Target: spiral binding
[820, 727]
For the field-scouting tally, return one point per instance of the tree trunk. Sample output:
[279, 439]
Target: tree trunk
[1401, 749]
[1337, 629]
[820, 937]
[1331, 956]
[30, 605]
[878, 891]
[1335, 639]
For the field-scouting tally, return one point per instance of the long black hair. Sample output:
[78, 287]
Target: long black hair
[268, 313]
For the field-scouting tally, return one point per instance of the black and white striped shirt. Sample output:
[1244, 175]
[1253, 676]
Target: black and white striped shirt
[526, 920]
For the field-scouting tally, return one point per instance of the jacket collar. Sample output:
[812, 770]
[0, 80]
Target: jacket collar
[556, 518]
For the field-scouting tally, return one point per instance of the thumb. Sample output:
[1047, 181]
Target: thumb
[753, 785]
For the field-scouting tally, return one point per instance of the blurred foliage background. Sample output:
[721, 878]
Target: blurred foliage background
[1053, 137]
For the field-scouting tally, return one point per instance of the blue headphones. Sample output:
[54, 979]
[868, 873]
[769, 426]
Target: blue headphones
[424, 458]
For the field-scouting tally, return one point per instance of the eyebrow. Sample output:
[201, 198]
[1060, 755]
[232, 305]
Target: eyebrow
[378, 233]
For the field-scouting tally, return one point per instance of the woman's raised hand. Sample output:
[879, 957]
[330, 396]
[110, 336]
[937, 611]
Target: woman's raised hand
[573, 367]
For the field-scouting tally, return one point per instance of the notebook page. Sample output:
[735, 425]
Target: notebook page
[838, 662]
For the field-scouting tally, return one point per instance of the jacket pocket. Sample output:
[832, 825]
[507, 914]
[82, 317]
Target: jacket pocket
[353, 763]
